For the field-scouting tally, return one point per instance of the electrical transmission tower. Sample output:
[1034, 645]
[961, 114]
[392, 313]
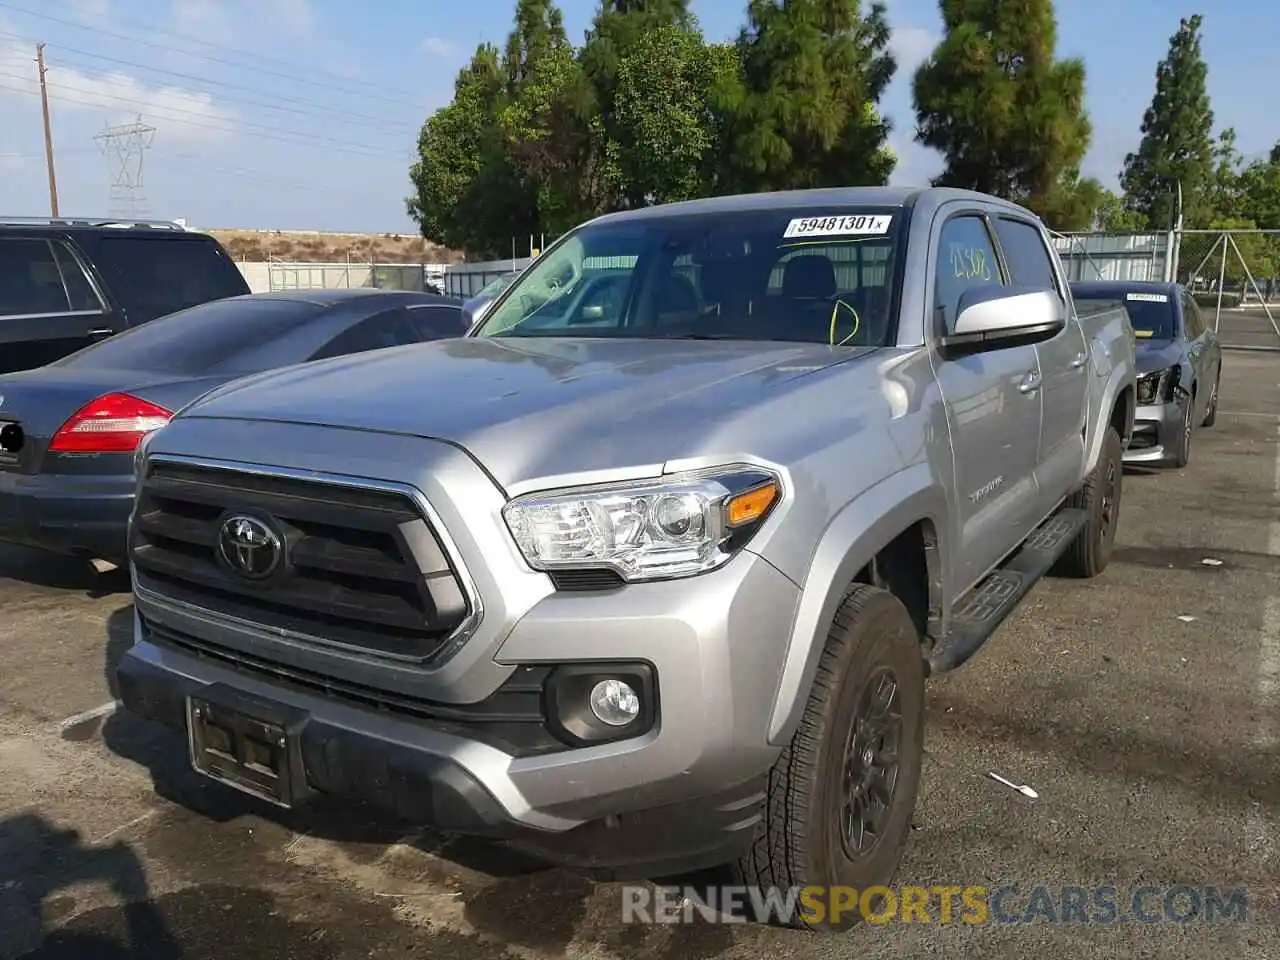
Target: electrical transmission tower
[123, 145]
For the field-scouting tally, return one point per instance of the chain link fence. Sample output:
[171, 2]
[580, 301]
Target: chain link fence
[301, 275]
[1235, 277]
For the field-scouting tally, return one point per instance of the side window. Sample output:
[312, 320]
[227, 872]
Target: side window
[437, 322]
[1025, 253]
[79, 290]
[391, 328]
[1191, 317]
[966, 259]
[30, 282]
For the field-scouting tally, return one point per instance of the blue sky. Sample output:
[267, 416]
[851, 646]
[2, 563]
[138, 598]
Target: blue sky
[302, 114]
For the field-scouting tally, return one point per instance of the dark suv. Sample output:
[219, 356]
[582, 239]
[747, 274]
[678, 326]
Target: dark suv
[65, 283]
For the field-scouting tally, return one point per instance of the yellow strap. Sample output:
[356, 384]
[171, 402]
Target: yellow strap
[835, 311]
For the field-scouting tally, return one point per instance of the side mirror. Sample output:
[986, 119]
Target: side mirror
[995, 317]
[593, 311]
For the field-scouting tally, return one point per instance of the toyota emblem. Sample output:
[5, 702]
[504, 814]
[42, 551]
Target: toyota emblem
[249, 547]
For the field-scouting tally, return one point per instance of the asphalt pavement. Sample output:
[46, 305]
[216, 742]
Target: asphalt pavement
[1143, 708]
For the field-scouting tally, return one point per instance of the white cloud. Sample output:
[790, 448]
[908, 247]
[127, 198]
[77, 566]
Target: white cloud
[439, 47]
[911, 46]
[183, 115]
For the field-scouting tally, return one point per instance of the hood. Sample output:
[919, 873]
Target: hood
[528, 408]
[1153, 355]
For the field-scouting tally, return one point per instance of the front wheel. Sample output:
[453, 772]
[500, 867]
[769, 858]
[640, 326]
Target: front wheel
[841, 795]
[1090, 552]
[1182, 446]
[1212, 414]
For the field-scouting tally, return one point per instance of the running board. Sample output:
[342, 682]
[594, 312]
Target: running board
[980, 611]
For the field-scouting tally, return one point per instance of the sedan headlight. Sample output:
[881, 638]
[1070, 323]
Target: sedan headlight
[1158, 386]
[675, 526]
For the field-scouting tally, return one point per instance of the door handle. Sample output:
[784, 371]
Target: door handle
[1079, 360]
[1030, 383]
[101, 332]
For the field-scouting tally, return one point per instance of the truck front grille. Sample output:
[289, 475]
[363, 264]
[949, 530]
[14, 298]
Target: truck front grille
[359, 567]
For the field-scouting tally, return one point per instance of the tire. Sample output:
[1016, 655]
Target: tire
[799, 841]
[1090, 552]
[1182, 448]
[1211, 415]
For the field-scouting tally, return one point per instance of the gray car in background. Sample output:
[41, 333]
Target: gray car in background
[474, 309]
[646, 573]
[1179, 366]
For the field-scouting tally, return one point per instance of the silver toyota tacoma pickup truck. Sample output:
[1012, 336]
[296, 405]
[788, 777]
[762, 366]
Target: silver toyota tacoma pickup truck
[648, 571]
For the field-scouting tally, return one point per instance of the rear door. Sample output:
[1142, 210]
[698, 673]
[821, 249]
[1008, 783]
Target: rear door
[48, 305]
[1202, 349]
[154, 274]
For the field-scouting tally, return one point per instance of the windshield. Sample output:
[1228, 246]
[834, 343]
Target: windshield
[805, 275]
[1151, 314]
[211, 338]
[496, 285]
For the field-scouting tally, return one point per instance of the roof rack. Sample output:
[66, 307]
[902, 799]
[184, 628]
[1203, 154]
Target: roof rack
[89, 222]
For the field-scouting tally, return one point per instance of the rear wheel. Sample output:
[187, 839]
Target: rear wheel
[842, 793]
[1090, 553]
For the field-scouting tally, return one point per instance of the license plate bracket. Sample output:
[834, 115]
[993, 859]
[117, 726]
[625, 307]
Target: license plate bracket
[248, 743]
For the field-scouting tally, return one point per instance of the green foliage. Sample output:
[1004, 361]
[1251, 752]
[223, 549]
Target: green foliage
[646, 111]
[1177, 139]
[1112, 216]
[813, 73]
[1008, 117]
[468, 194]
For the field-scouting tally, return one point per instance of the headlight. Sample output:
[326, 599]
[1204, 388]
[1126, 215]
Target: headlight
[674, 526]
[1158, 387]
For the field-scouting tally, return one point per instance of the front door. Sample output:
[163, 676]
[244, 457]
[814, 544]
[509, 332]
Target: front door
[1064, 365]
[992, 402]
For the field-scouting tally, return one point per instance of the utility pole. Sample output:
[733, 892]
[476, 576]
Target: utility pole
[48, 132]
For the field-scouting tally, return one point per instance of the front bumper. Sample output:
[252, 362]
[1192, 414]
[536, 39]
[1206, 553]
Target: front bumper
[80, 515]
[683, 795]
[1156, 431]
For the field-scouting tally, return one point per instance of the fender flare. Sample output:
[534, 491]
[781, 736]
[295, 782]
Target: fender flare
[860, 529]
[1116, 383]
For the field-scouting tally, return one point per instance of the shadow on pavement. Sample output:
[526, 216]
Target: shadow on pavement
[38, 861]
[63, 573]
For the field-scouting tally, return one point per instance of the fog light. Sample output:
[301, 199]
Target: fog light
[614, 702]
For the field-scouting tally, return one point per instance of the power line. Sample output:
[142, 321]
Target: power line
[178, 115]
[362, 118]
[97, 32]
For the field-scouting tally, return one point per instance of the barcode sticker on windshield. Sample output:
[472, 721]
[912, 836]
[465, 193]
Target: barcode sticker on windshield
[1148, 297]
[864, 225]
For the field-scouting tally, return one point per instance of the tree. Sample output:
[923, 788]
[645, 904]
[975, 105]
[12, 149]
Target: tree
[1008, 117]
[467, 193]
[1177, 139]
[1112, 216]
[813, 75]
[672, 101]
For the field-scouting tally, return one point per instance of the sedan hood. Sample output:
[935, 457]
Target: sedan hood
[532, 408]
[1154, 355]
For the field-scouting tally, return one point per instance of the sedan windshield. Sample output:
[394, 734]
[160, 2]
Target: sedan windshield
[805, 275]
